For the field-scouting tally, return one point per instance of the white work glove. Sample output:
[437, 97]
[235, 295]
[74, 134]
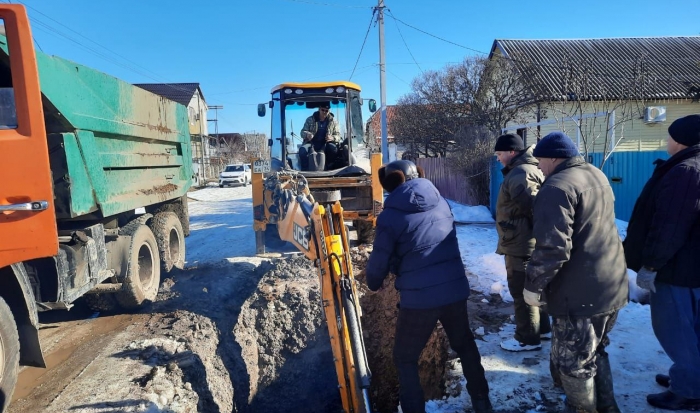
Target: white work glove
[532, 299]
[645, 279]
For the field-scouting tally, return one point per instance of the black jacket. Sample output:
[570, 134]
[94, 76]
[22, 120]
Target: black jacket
[664, 230]
[578, 263]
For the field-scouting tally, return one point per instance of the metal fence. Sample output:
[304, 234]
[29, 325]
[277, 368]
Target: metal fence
[626, 171]
[451, 184]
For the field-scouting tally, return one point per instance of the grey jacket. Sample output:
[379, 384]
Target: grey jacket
[578, 264]
[521, 182]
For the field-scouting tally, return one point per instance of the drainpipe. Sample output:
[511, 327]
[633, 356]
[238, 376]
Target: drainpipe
[201, 137]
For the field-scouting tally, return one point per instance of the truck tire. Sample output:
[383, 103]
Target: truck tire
[142, 280]
[9, 355]
[167, 228]
[365, 231]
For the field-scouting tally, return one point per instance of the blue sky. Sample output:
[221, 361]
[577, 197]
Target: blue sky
[238, 49]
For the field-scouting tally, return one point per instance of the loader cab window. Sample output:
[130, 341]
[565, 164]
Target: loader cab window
[297, 112]
[276, 150]
[8, 112]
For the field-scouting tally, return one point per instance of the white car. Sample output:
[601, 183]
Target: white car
[236, 174]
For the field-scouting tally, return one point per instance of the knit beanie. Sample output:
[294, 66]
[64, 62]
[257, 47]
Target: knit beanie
[555, 145]
[509, 142]
[686, 130]
[396, 173]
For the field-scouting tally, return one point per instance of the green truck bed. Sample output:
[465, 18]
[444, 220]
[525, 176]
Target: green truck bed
[113, 147]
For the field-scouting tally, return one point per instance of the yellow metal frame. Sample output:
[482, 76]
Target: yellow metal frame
[314, 85]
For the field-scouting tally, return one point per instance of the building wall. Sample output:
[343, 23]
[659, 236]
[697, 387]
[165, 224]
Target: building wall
[637, 135]
[197, 112]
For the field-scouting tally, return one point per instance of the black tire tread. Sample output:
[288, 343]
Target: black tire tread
[131, 297]
[101, 302]
[161, 225]
[10, 337]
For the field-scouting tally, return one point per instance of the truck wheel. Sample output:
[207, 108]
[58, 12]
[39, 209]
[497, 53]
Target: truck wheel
[167, 228]
[221, 185]
[9, 355]
[143, 270]
[365, 231]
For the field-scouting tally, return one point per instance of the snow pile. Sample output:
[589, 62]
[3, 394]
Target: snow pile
[465, 214]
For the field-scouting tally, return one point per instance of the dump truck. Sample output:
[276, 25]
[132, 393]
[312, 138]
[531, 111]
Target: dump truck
[353, 172]
[93, 180]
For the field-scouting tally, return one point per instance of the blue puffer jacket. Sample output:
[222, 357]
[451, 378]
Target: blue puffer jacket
[416, 239]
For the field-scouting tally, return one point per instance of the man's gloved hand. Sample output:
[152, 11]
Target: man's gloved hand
[532, 299]
[645, 279]
[307, 135]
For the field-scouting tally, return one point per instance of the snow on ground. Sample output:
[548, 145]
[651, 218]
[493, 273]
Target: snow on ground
[465, 214]
[221, 225]
[518, 381]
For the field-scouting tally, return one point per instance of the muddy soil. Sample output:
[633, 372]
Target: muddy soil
[244, 335]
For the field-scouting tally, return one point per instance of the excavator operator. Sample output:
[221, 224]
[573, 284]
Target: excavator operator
[322, 133]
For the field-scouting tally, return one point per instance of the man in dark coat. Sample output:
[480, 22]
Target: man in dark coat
[663, 246]
[416, 239]
[578, 269]
[521, 181]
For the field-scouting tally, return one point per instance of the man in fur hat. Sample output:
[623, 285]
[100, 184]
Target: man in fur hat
[416, 239]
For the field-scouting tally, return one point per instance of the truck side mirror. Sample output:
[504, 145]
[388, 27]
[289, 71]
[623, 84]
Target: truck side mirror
[269, 142]
[261, 110]
[372, 105]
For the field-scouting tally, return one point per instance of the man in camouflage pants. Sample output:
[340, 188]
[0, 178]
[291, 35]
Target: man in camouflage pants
[578, 269]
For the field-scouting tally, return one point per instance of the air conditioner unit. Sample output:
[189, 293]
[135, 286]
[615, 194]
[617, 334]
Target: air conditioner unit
[654, 114]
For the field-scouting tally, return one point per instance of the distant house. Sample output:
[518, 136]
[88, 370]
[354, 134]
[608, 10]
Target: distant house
[614, 97]
[648, 82]
[190, 95]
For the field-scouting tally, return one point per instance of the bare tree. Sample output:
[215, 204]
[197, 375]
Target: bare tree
[457, 113]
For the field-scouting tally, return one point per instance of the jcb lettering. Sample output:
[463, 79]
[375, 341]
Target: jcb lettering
[300, 236]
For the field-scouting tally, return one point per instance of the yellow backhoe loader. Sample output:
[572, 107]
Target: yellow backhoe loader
[317, 229]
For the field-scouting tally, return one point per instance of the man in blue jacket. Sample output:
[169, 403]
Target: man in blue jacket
[416, 240]
[663, 246]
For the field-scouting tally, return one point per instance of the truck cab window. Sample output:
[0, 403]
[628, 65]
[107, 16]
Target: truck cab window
[8, 113]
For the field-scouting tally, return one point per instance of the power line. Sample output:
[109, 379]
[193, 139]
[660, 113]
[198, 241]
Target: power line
[404, 40]
[437, 37]
[371, 20]
[328, 4]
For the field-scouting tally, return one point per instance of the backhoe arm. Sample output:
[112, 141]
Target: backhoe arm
[318, 231]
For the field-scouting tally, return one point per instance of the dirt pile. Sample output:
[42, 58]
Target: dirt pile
[380, 313]
[286, 358]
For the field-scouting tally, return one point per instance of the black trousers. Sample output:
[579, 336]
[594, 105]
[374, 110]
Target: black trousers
[329, 148]
[413, 329]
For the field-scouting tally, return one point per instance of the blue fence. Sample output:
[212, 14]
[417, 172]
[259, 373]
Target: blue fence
[626, 171]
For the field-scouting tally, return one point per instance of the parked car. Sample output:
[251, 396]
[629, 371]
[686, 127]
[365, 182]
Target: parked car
[236, 174]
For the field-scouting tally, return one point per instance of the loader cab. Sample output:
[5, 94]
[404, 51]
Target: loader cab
[293, 104]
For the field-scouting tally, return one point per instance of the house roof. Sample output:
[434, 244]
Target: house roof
[652, 67]
[179, 92]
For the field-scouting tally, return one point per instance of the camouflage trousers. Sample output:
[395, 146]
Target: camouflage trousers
[577, 341]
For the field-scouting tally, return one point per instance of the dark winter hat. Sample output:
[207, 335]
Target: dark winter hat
[686, 130]
[325, 105]
[396, 173]
[555, 145]
[509, 142]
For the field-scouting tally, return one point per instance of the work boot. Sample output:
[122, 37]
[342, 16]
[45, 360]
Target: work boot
[580, 394]
[605, 396]
[671, 401]
[663, 380]
[514, 345]
[482, 405]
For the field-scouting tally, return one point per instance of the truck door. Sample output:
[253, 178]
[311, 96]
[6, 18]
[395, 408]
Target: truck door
[27, 217]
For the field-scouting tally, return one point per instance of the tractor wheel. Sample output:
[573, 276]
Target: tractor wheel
[167, 228]
[9, 355]
[142, 280]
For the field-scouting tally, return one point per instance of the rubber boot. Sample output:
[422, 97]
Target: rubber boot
[605, 396]
[580, 394]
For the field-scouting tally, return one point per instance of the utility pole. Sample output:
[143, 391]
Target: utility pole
[216, 120]
[382, 81]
